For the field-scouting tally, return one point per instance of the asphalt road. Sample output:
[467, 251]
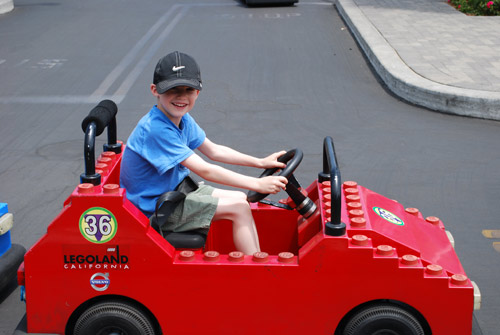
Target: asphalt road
[274, 78]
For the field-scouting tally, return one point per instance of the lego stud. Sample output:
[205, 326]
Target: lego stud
[409, 260]
[285, 257]
[211, 256]
[326, 183]
[328, 214]
[349, 191]
[327, 190]
[186, 255]
[360, 240]
[104, 160]
[356, 213]
[412, 211]
[86, 188]
[236, 256]
[352, 198]
[358, 222]
[350, 184]
[354, 205]
[111, 188]
[109, 154]
[260, 257]
[432, 219]
[459, 279]
[385, 250]
[434, 269]
[103, 167]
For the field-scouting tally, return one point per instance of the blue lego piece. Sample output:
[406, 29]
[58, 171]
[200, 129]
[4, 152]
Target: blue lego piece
[5, 241]
[4, 209]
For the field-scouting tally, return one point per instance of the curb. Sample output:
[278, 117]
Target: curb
[6, 6]
[407, 84]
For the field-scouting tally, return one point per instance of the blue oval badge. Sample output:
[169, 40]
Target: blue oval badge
[388, 216]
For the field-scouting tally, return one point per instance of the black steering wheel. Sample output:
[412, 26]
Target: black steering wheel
[292, 159]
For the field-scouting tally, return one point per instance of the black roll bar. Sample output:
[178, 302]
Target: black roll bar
[331, 172]
[101, 116]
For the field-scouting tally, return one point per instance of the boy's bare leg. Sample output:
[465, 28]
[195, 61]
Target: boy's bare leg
[233, 206]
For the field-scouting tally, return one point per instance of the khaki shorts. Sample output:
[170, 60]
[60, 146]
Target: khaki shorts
[195, 212]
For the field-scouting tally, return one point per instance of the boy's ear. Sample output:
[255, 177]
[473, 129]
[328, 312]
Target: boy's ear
[154, 91]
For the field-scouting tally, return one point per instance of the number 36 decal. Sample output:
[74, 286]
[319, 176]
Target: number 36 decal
[98, 225]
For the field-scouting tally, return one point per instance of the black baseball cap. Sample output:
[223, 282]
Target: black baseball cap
[176, 69]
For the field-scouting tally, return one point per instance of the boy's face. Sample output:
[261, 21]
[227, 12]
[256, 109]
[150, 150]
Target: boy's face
[176, 102]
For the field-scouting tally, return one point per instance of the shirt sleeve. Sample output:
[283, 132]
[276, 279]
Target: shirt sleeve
[196, 134]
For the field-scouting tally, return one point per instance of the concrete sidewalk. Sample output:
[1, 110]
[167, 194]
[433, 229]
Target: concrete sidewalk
[430, 54]
[6, 6]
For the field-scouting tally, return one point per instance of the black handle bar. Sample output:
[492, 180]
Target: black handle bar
[101, 116]
[331, 172]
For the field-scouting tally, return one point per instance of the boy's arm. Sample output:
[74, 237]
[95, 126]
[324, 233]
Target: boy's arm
[220, 175]
[223, 154]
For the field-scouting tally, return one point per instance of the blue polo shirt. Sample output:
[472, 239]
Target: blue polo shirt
[151, 161]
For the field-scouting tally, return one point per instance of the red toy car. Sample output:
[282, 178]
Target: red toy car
[346, 261]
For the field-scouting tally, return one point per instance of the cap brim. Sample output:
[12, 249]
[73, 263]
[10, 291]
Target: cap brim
[165, 85]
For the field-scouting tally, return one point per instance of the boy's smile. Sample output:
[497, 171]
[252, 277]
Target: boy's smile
[176, 102]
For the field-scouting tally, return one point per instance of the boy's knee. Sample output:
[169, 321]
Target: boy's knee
[229, 194]
[240, 209]
[233, 207]
[242, 203]
[241, 195]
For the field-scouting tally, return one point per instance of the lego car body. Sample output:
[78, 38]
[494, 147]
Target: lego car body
[360, 262]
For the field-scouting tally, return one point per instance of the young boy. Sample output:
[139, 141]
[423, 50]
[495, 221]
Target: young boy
[160, 154]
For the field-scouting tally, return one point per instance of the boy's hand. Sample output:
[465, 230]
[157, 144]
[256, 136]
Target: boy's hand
[271, 184]
[271, 161]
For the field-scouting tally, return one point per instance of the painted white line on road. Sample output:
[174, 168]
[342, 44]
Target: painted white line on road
[132, 54]
[144, 61]
[24, 61]
[101, 92]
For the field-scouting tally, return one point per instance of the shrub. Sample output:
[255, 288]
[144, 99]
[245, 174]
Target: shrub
[477, 7]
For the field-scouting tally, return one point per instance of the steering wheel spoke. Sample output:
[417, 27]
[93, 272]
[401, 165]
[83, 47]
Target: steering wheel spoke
[305, 206]
[292, 159]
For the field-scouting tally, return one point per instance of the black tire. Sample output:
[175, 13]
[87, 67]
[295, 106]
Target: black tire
[113, 318]
[383, 320]
[9, 263]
